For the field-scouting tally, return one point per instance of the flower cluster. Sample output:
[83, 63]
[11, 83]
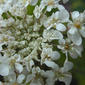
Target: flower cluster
[33, 36]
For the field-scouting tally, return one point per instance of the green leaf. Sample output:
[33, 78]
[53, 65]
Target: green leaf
[30, 9]
[38, 2]
[18, 17]
[5, 16]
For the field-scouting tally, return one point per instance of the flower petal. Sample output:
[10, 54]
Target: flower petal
[82, 31]
[73, 53]
[55, 55]
[52, 65]
[20, 78]
[67, 66]
[34, 2]
[66, 79]
[29, 78]
[19, 67]
[49, 8]
[4, 69]
[75, 15]
[63, 14]
[52, 35]
[60, 27]
[74, 35]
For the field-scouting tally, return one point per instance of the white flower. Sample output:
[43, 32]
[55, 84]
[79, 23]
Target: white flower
[17, 57]
[77, 27]
[66, 79]
[5, 5]
[50, 77]
[5, 23]
[51, 64]
[75, 15]
[82, 31]
[36, 27]
[75, 36]
[29, 77]
[20, 78]
[4, 70]
[67, 47]
[34, 79]
[60, 27]
[50, 4]
[52, 20]
[37, 11]
[36, 70]
[63, 74]
[4, 66]
[63, 14]
[58, 17]
[17, 11]
[19, 67]
[52, 35]
[28, 43]
[33, 2]
[67, 66]
[29, 65]
[47, 53]
[11, 77]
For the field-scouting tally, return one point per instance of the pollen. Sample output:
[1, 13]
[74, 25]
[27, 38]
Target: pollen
[51, 2]
[77, 25]
[15, 83]
[66, 46]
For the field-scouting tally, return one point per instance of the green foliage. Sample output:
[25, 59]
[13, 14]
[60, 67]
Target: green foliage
[78, 5]
[30, 9]
[5, 16]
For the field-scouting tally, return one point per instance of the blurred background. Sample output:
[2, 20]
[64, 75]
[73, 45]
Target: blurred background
[77, 5]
